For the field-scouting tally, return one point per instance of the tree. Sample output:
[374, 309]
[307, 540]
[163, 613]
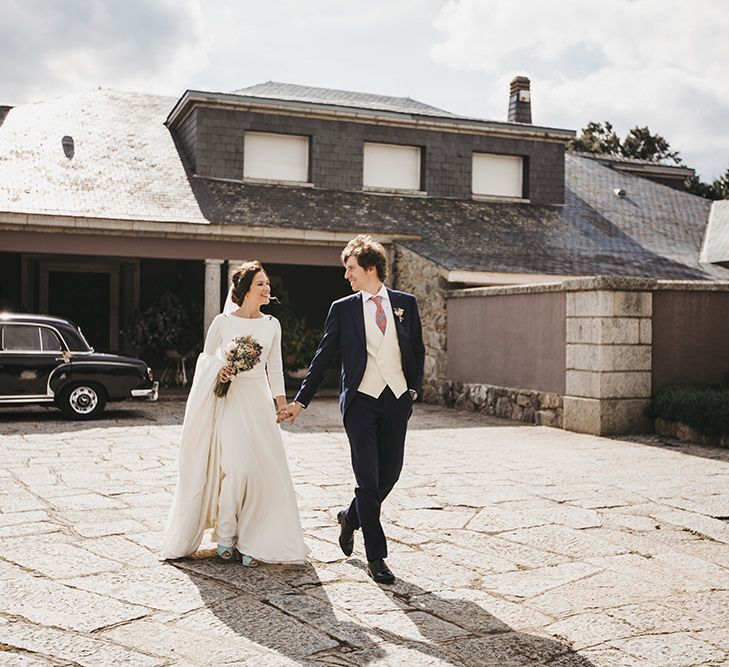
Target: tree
[596, 138]
[639, 143]
[719, 189]
[696, 186]
[720, 186]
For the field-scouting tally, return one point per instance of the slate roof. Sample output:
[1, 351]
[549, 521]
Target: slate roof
[654, 234]
[127, 166]
[655, 218]
[125, 162]
[288, 91]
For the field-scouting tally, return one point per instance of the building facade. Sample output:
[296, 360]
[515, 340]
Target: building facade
[108, 200]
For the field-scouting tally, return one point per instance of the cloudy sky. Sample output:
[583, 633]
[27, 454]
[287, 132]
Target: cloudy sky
[661, 63]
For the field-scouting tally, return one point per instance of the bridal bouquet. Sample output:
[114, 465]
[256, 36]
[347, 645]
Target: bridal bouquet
[241, 354]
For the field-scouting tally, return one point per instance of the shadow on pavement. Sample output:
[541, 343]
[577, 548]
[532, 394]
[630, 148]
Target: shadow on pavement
[322, 416]
[288, 610]
[713, 452]
[29, 419]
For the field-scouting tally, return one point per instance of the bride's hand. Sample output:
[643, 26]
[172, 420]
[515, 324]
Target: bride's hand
[224, 374]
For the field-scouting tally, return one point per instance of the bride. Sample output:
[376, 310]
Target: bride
[233, 473]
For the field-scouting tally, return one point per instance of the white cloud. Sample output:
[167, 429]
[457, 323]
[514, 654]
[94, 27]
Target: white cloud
[53, 48]
[649, 62]
[660, 63]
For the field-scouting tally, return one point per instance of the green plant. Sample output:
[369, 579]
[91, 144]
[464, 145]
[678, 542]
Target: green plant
[298, 342]
[703, 408]
[168, 324]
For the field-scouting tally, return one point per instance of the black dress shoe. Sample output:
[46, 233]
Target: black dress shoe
[378, 570]
[346, 533]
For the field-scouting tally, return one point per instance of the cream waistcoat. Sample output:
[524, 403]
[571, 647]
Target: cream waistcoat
[384, 363]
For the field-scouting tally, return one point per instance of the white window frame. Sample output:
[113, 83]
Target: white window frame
[497, 176]
[378, 157]
[265, 158]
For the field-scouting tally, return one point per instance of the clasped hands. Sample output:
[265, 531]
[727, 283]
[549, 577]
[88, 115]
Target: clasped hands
[290, 412]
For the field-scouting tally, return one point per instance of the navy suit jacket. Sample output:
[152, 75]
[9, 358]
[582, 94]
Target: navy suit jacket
[344, 333]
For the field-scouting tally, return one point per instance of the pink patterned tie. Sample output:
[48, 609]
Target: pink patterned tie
[380, 317]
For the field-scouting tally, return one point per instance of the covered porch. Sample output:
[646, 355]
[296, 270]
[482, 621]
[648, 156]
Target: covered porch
[105, 281]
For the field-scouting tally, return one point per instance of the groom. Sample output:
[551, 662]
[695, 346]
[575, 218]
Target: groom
[377, 332]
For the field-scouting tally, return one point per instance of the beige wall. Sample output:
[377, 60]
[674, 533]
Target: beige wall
[690, 337]
[508, 340]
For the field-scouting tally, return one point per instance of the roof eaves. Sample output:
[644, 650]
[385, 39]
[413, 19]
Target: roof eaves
[192, 98]
[637, 165]
[656, 169]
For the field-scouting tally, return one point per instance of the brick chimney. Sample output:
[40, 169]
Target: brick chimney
[520, 100]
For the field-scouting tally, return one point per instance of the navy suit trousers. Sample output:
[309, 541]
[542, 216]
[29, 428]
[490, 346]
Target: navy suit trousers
[376, 429]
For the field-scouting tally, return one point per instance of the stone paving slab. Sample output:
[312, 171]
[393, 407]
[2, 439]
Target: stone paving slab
[513, 546]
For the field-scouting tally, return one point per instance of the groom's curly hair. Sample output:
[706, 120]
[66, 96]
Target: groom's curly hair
[243, 278]
[368, 253]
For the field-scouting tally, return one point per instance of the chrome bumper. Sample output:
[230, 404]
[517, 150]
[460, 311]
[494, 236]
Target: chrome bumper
[151, 394]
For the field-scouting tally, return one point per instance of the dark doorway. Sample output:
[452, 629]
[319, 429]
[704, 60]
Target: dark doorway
[309, 290]
[9, 281]
[83, 298]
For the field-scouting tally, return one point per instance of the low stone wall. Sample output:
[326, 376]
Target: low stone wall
[687, 433]
[531, 407]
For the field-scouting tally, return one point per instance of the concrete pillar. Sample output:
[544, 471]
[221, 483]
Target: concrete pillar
[608, 383]
[233, 264]
[211, 307]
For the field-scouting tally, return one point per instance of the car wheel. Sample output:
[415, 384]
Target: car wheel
[82, 401]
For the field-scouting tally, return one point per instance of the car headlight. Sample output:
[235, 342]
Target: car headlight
[150, 374]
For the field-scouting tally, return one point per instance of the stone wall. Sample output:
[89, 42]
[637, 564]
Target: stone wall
[609, 334]
[426, 280]
[607, 340]
[531, 407]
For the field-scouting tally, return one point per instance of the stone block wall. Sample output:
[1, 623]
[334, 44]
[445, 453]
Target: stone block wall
[608, 376]
[426, 280]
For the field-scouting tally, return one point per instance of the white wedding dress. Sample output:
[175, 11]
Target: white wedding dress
[233, 473]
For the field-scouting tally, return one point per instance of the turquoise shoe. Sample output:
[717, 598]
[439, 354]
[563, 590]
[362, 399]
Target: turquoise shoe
[226, 553]
[248, 561]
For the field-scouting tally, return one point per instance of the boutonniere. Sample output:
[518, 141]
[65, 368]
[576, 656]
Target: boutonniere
[399, 312]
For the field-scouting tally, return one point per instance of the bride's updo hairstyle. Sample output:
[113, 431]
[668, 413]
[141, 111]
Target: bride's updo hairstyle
[243, 278]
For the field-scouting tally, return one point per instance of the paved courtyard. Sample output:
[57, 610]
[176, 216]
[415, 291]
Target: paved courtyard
[513, 545]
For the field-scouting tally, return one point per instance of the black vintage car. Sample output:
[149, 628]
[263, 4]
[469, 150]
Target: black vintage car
[47, 360]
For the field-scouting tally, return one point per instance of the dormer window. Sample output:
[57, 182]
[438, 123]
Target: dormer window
[389, 167]
[276, 157]
[499, 176]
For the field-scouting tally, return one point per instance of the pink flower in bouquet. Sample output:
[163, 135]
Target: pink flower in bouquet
[241, 354]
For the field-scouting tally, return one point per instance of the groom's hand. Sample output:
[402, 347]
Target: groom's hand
[294, 409]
